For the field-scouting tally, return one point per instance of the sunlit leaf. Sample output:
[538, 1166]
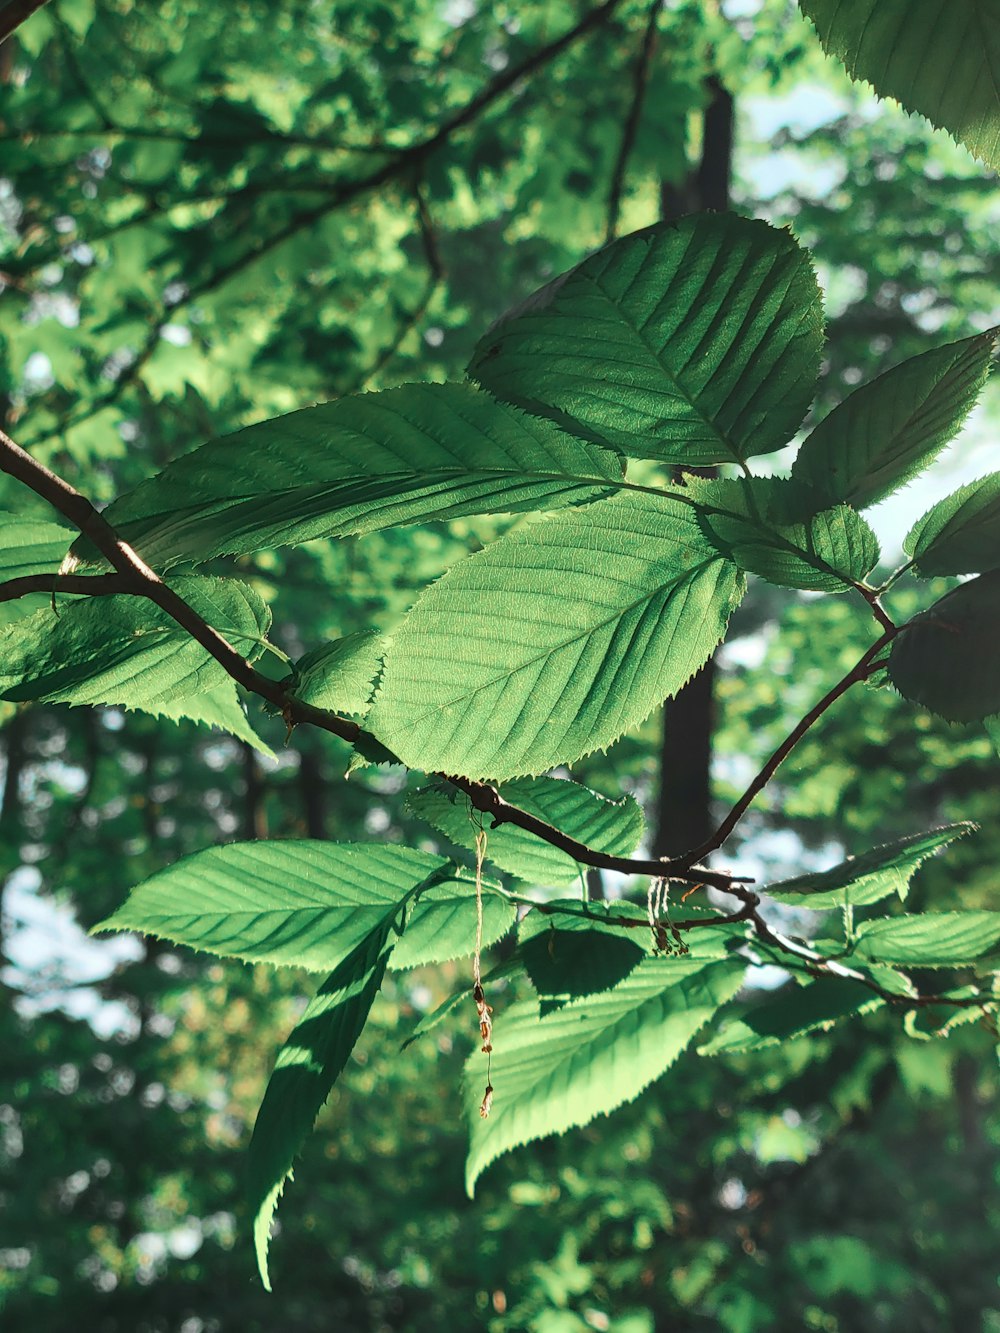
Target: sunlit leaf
[340, 675]
[942, 62]
[359, 464]
[442, 923]
[308, 903]
[307, 1067]
[961, 534]
[933, 939]
[783, 532]
[561, 1068]
[30, 546]
[888, 431]
[124, 650]
[554, 640]
[798, 1010]
[870, 877]
[218, 707]
[695, 341]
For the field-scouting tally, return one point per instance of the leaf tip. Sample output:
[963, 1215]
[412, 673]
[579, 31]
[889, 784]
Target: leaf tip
[262, 1230]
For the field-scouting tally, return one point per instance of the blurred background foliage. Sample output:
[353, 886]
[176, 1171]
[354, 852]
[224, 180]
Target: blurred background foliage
[210, 215]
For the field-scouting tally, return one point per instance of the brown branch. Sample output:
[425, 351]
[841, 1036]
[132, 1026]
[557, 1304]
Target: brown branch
[818, 964]
[643, 65]
[135, 577]
[488, 801]
[97, 585]
[411, 318]
[14, 13]
[861, 670]
[138, 578]
[872, 597]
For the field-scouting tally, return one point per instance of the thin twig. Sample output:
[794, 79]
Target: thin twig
[435, 276]
[631, 128]
[861, 670]
[96, 585]
[818, 964]
[872, 597]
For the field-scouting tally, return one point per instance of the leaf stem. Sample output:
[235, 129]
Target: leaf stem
[871, 596]
[896, 574]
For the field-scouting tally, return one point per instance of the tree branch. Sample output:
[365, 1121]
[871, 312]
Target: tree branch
[136, 578]
[488, 801]
[97, 585]
[14, 13]
[861, 670]
[410, 320]
[641, 79]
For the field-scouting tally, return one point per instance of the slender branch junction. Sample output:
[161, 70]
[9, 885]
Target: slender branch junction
[133, 576]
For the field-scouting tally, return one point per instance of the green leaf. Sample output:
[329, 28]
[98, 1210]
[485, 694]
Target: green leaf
[948, 657]
[307, 1067]
[941, 61]
[296, 903]
[888, 431]
[442, 924]
[554, 640]
[615, 827]
[961, 534]
[695, 341]
[819, 1005]
[940, 1020]
[565, 964]
[868, 878]
[549, 926]
[124, 650]
[569, 949]
[30, 546]
[780, 530]
[218, 707]
[579, 1060]
[356, 465]
[340, 675]
[933, 939]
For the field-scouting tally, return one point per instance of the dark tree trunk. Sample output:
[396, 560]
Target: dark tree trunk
[254, 817]
[683, 816]
[13, 740]
[312, 787]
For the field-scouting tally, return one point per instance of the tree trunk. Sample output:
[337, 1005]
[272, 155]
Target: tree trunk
[254, 817]
[683, 815]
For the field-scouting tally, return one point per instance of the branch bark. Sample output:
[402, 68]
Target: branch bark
[14, 13]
